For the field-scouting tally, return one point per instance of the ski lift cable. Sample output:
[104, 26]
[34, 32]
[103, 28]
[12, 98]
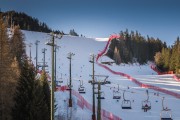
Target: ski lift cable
[114, 86]
[138, 91]
[141, 89]
[160, 95]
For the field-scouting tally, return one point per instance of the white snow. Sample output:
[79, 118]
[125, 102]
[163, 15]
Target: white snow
[82, 69]
[102, 39]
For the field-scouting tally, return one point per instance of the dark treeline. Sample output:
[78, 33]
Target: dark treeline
[73, 33]
[133, 47]
[168, 59]
[26, 22]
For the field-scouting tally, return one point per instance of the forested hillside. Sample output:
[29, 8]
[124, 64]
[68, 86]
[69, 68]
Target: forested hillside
[25, 22]
[133, 47]
[168, 59]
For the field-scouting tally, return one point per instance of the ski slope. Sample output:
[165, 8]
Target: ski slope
[82, 69]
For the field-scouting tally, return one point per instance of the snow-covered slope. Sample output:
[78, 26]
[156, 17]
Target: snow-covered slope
[82, 69]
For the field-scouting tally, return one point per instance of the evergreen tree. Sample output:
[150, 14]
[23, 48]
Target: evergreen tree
[176, 56]
[117, 57]
[158, 59]
[73, 33]
[170, 58]
[166, 58]
[8, 74]
[17, 44]
[46, 90]
[29, 97]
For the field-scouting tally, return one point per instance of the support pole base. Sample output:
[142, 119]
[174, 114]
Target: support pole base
[93, 117]
[70, 102]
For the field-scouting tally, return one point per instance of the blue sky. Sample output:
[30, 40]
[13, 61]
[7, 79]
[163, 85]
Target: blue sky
[101, 18]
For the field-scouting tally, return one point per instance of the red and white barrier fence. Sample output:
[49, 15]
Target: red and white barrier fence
[153, 67]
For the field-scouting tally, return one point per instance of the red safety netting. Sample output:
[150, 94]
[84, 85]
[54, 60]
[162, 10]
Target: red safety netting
[153, 67]
[176, 78]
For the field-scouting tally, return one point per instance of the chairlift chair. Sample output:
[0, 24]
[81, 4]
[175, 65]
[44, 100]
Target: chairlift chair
[69, 87]
[58, 83]
[81, 89]
[166, 114]
[102, 96]
[95, 92]
[116, 95]
[146, 104]
[108, 82]
[126, 104]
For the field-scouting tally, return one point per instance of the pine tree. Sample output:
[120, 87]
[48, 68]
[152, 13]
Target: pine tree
[40, 108]
[8, 74]
[166, 58]
[73, 33]
[176, 50]
[29, 97]
[158, 59]
[46, 91]
[17, 44]
[169, 59]
[117, 57]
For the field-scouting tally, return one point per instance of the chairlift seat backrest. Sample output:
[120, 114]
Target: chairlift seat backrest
[83, 91]
[166, 119]
[81, 86]
[69, 87]
[102, 95]
[166, 114]
[95, 92]
[116, 95]
[126, 104]
[80, 89]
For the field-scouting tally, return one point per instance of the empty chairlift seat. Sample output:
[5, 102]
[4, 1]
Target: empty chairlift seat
[81, 89]
[126, 104]
[58, 83]
[102, 96]
[69, 87]
[166, 114]
[116, 95]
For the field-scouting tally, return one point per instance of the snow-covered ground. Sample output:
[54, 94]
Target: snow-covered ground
[82, 69]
